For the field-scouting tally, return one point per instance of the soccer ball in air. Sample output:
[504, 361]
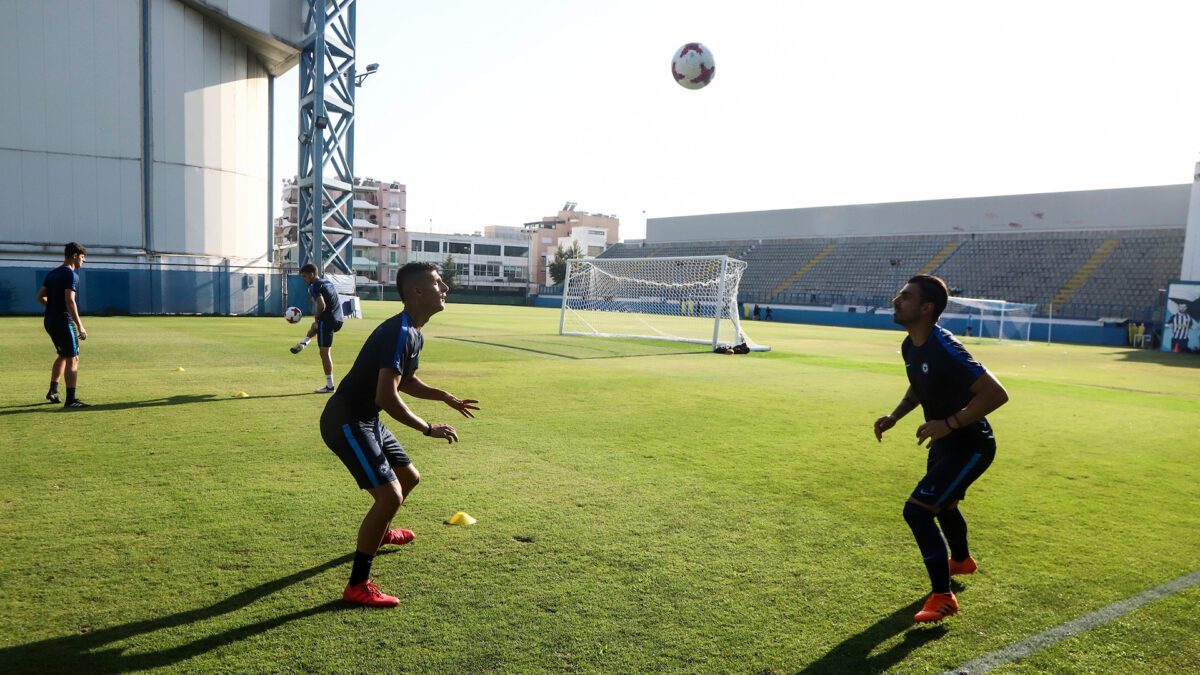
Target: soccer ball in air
[292, 314]
[693, 66]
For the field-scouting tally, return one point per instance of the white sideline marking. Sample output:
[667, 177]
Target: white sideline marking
[1048, 637]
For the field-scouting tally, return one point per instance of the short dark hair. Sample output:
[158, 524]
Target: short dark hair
[73, 249]
[933, 290]
[410, 270]
[309, 268]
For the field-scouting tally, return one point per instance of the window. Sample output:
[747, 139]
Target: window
[433, 247]
[490, 270]
[416, 245]
[547, 240]
[516, 251]
[462, 269]
[460, 247]
[487, 249]
[394, 202]
[395, 239]
[515, 273]
[392, 257]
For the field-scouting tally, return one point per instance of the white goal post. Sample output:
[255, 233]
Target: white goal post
[684, 299]
[998, 320]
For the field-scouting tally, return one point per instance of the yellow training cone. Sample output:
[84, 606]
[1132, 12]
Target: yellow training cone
[462, 518]
[178, 369]
[241, 394]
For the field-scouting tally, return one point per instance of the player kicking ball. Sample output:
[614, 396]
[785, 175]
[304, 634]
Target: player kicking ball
[955, 392]
[328, 321]
[350, 424]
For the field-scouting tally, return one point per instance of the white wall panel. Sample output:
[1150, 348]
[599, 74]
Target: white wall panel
[78, 123]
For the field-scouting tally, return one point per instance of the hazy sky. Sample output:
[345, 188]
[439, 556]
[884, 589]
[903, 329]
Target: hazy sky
[496, 113]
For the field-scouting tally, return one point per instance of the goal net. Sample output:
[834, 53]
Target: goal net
[692, 299]
[998, 320]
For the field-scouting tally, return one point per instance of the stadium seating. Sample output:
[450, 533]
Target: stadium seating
[1093, 274]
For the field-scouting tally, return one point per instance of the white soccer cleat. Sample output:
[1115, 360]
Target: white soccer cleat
[325, 390]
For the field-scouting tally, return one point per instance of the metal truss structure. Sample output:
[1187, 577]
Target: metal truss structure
[326, 173]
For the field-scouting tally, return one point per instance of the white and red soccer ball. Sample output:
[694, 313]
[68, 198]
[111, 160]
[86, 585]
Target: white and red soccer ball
[293, 314]
[693, 66]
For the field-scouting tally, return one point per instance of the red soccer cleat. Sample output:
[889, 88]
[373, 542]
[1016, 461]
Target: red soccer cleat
[937, 607]
[967, 566]
[398, 537]
[367, 593]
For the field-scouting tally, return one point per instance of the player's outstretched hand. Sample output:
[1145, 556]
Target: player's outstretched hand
[463, 405]
[444, 431]
[883, 424]
[932, 431]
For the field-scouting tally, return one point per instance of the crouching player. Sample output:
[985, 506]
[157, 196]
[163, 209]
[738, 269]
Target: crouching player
[350, 424]
[955, 392]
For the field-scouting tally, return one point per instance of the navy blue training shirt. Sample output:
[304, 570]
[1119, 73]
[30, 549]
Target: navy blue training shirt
[60, 280]
[941, 372]
[323, 288]
[395, 343]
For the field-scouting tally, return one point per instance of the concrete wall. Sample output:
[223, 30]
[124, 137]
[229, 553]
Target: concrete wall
[71, 138]
[209, 109]
[1124, 208]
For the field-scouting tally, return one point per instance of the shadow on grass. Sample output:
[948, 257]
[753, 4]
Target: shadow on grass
[854, 654]
[1161, 358]
[182, 399]
[86, 653]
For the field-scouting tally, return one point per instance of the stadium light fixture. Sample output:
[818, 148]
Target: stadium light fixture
[321, 122]
[371, 68]
[303, 138]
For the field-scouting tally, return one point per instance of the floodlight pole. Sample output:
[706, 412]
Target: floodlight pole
[326, 138]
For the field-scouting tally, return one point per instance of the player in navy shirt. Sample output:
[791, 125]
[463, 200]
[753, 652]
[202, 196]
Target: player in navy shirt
[63, 324]
[955, 392]
[350, 424]
[327, 321]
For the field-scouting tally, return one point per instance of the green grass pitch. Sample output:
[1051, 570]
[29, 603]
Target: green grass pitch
[643, 507]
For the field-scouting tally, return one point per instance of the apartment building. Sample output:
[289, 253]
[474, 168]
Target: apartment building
[379, 243]
[497, 260]
[594, 232]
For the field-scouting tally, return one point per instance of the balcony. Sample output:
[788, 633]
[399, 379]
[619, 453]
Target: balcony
[359, 242]
[367, 264]
[365, 205]
[365, 224]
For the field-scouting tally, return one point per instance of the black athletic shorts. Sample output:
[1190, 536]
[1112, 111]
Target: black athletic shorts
[63, 335]
[951, 469]
[325, 330]
[367, 448]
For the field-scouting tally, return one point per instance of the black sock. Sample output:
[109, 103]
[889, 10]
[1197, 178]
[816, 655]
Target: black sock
[362, 568]
[70, 393]
[53, 387]
[954, 526]
[933, 547]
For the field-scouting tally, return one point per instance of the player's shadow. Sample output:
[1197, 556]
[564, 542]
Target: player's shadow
[854, 654]
[181, 399]
[87, 652]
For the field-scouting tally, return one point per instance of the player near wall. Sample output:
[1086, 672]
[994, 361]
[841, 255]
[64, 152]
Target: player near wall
[63, 323]
[955, 392]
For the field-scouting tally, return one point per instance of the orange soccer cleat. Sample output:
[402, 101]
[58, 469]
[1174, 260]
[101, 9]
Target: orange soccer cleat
[398, 537]
[937, 607]
[367, 593]
[967, 566]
